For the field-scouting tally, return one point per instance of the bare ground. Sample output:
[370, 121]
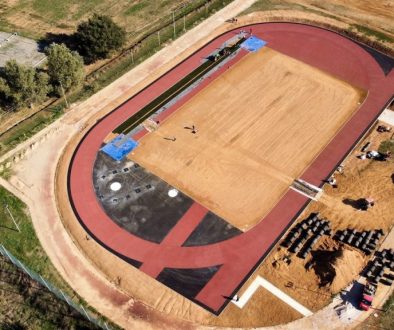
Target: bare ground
[361, 178]
[249, 135]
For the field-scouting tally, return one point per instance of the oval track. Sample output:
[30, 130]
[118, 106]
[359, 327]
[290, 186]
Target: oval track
[326, 50]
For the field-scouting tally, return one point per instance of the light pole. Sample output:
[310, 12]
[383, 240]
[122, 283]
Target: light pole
[173, 22]
[64, 94]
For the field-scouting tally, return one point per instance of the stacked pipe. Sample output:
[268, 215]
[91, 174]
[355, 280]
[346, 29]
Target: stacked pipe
[305, 235]
[381, 268]
[365, 241]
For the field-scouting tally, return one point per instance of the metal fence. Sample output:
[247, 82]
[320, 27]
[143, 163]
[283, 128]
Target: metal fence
[57, 292]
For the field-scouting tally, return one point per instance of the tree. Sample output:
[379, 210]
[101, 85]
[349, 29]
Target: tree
[65, 68]
[21, 85]
[98, 37]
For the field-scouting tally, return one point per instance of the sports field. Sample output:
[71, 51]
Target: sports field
[178, 241]
[259, 125]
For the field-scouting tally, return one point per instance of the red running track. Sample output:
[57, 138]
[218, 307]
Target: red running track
[240, 255]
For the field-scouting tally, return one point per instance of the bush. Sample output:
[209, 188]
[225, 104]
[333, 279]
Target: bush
[22, 86]
[98, 37]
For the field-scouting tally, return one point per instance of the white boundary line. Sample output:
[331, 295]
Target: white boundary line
[259, 281]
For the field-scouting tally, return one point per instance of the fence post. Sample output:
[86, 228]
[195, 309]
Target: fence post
[65, 298]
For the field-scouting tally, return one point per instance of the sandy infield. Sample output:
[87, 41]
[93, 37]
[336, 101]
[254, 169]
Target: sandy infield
[256, 132]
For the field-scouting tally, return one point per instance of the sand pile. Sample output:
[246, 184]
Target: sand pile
[336, 268]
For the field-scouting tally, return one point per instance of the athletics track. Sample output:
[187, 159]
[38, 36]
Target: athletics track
[238, 256]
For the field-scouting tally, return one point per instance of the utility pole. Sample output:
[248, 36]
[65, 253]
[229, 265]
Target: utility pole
[12, 217]
[184, 23]
[173, 22]
[64, 94]
[158, 37]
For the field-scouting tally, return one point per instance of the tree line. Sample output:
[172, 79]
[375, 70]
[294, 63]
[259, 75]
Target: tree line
[24, 86]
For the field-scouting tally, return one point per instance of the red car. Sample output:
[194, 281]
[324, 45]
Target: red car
[368, 294]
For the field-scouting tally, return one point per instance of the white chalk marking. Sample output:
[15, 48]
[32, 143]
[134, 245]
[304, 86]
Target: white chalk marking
[302, 193]
[259, 281]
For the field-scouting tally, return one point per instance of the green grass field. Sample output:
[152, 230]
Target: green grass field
[24, 244]
[34, 18]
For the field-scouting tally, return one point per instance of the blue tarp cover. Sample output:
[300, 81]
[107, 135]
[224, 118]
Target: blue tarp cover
[253, 44]
[118, 149]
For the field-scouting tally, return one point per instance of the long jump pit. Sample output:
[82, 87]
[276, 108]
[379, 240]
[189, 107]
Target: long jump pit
[203, 194]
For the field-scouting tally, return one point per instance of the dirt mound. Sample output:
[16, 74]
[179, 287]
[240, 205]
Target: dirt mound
[336, 268]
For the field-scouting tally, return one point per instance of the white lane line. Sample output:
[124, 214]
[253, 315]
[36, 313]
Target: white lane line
[259, 281]
[302, 193]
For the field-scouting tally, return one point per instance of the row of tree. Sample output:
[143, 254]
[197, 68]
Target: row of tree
[22, 86]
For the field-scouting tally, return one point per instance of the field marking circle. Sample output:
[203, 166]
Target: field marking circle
[173, 193]
[115, 186]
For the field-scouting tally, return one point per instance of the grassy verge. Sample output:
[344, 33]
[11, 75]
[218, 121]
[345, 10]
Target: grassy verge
[372, 33]
[387, 318]
[28, 128]
[25, 245]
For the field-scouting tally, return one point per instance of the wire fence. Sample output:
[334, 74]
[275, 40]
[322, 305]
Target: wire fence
[57, 292]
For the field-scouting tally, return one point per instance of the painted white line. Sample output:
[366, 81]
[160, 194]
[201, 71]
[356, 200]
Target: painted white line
[248, 293]
[309, 185]
[302, 193]
[259, 281]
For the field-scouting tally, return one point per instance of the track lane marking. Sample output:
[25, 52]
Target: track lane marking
[259, 281]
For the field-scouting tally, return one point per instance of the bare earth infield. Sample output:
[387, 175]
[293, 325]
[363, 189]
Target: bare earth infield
[260, 124]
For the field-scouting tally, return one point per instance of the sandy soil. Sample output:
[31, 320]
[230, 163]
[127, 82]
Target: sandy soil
[226, 166]
[361, 178]
[262, 309]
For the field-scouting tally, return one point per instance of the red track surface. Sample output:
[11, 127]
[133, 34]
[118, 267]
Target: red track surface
[239, 255]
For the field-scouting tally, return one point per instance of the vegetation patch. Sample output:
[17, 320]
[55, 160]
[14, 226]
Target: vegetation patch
[387, 146]
[372, 33]
[25, 246]
[28, 128]
[136, 8]
[26, 304]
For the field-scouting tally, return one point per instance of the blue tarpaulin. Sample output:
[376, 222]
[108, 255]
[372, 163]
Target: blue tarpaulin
[253, 44]
[119, 147]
